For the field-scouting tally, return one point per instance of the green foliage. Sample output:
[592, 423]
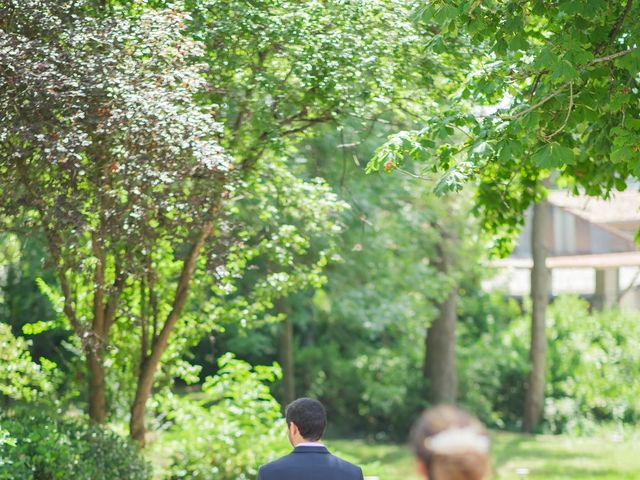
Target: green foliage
[358, 339]
[110, 154]
[281, 67]
[111, 149]
[542, 88]
[106, 155]
[492, 358]
[594, 362]
[592, 367]
[20, 377]
[227, 431]
[367, 390]
[47, 446]
[21, 301]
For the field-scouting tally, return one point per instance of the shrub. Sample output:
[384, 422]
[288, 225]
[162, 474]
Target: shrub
[226, 432]
[593, 366]
[492, 358]
[492, 373]
[366, 390]
[46, 446]
[20, 377]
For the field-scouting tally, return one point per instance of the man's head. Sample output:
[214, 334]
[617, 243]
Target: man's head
[306, 420]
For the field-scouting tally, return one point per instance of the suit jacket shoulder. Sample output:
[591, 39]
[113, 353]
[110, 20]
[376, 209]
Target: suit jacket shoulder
[310, 463]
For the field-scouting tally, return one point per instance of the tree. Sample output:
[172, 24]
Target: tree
[391, 289]
[554, 92]
[440, 353]
[551, 92]
[120, 71]
[106, 151]
[275, 77]
[281, 68]
[540, 290]
[286, 359]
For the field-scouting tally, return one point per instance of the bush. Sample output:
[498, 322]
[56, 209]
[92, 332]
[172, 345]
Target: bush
[492, 358]
[46, 446]
[20, 377]
[226, 432]
[492, 373]
[592, 368]
[378, 391]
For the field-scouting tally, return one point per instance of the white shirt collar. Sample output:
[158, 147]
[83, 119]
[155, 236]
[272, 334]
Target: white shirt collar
[310, 444]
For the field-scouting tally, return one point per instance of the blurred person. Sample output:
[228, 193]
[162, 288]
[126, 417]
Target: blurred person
[310, 459]
[450, 444]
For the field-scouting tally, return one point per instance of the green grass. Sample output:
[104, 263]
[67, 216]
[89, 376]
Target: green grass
[546, 457]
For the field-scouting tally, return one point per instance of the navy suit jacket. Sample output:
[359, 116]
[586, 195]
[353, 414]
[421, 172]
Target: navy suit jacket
[310, 463]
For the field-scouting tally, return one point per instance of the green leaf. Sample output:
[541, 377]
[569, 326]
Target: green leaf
[445, 14]
[630, 62]
[519, 42]
[565, 70]
[37, 327]
[454, 179]
[553, 155]
[547, 59]
[622, 154]
[510, 149]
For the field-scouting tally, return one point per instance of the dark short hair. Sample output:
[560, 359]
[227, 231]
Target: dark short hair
[309, 416]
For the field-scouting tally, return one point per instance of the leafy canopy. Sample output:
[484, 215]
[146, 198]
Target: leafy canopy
[544, 88]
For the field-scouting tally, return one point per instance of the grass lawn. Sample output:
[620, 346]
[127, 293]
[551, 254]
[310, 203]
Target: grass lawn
[546, 457]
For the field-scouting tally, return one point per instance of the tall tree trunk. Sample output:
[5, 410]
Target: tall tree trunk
[97, 403]
[97, 339]
[534, 399]
[440, 357]
[286, 359]
[150, 364]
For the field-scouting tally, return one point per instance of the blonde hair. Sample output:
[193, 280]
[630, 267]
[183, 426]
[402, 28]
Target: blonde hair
[452, 444]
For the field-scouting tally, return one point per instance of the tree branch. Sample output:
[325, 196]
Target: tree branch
[98, 324]
[308, 123]
[553, 94]
[613, 56]
[69, 311]
[144, 341]
[566, 118]
[535, 105]
[183, 286]
[616, 26]
[150, 362]
[114, 295]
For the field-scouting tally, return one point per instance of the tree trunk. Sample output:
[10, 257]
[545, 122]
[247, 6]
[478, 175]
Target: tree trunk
[137, 428]
[440, 356]
[97, 404]
[534, 399]
[440, 359]
[286, 360]
[150, 364]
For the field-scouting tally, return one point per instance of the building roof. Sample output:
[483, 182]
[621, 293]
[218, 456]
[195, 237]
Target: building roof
[622, 207]
[618, 216]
